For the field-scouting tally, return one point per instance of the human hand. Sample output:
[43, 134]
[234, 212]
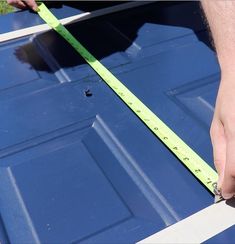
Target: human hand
[23, 4]
[223, 137]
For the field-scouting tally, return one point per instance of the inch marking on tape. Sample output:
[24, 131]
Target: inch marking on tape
[198, 167]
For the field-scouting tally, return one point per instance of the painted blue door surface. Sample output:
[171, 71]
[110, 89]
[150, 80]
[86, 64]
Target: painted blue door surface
[76, 164]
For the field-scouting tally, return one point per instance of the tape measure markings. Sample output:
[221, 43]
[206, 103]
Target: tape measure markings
[184, 153]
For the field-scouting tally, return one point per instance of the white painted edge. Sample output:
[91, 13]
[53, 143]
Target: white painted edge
[79, 17]
[198, 227]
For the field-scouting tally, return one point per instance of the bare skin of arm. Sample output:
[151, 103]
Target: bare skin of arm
[221, 18]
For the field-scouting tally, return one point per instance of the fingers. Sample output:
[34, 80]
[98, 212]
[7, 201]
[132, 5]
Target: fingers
[223, 142]
[219, 148]
[17, 3]
[31, 4]
[23, 4]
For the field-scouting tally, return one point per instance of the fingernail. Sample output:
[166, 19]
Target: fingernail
[227, 195]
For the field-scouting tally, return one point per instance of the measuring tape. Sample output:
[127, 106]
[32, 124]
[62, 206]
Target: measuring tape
[183, 152]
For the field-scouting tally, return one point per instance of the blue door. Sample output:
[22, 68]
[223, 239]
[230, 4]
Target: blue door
[76, 164]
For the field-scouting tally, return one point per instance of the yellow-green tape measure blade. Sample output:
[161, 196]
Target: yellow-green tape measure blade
[186, 155]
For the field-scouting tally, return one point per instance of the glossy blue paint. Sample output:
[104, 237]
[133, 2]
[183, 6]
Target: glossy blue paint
[24, 19]
[76, 164]
[226, 236]
[61, 9]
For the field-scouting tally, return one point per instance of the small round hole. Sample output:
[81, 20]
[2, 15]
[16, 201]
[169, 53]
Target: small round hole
[88, 93]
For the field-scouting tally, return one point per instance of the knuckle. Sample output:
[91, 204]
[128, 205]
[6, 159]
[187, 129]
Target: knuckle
[213, 130]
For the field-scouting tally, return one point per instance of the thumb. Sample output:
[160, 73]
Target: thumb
[228, 186]
[32, 4]
[219, 148]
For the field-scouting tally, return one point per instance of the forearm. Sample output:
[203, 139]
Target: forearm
[221, 18]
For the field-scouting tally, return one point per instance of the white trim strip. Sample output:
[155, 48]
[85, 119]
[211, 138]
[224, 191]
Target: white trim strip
[80, 17]
[198, 227]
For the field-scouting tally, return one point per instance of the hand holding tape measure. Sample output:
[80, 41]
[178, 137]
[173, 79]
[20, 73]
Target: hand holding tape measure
[197, 166]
